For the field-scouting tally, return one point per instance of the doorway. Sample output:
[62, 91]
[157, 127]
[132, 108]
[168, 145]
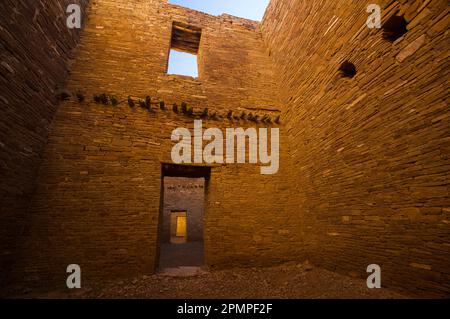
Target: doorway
[178, 227]
[182, 211]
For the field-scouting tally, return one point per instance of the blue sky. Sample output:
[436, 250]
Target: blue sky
[250, 9]
[186, 64]
[182, 64]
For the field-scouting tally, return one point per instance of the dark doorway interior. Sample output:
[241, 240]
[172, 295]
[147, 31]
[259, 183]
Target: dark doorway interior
[182, 215]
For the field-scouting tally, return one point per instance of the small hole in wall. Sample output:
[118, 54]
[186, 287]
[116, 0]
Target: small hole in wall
[394, 28]
[347, 69]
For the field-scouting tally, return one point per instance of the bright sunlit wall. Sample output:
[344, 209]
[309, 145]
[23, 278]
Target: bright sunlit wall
[186, 64]
[249, 9]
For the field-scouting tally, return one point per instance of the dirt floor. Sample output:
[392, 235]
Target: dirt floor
[285, 281]
[187, 254]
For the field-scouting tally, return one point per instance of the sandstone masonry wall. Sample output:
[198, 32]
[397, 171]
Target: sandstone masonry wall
[364, 163]
[98, 197]
[35, 49]
[370, 152]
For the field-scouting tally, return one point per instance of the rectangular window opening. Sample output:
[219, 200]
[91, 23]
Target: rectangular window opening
[184, 47]
[178, 227]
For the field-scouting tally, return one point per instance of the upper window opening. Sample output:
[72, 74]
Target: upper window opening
[181, 63]
[394, 28]
[185, 37]
[184, 46]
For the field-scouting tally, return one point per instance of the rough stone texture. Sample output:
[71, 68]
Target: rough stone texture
[284, 281]
[364, 161]
[371, 152]
[98, 197]
[35, 48]
[184, 194]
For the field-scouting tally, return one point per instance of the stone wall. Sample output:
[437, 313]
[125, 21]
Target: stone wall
[371, 152]
[184, 194]
[35, 49]
[364, 167]
[98, 197]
